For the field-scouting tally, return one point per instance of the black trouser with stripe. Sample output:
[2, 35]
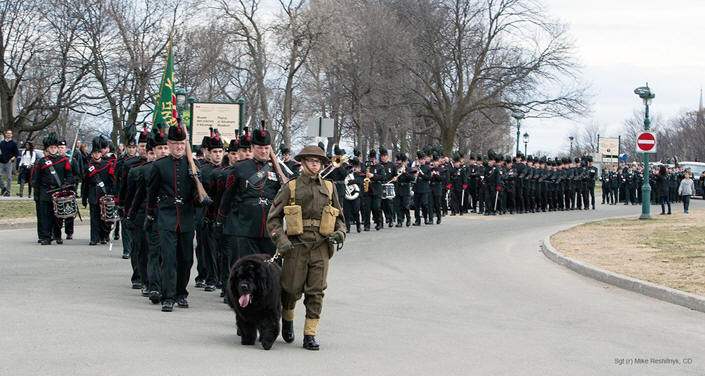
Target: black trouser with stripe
[177, 259]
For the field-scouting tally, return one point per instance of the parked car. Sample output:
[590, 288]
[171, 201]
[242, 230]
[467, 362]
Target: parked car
[696, 169]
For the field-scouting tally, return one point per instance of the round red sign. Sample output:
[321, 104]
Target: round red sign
[646, 141]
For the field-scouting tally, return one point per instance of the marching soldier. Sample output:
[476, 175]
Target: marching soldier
[137, 214]
[98, 181]
[436, 190]
[292, 165]
[591, 177]
[250, 189]
[389, 173]
[67, 223]
[52, 173]
[171, 185]
[422, 188]
[403, 191]
[307, 249]
[351, 205]
[208, 271]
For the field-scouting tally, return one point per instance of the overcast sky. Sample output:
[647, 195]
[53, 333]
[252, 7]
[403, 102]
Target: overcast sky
[622, 44]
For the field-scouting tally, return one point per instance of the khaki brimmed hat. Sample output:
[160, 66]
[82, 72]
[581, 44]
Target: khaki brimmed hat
[311, 151]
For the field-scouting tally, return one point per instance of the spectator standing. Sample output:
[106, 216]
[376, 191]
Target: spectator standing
[29, 156]
[686, 189]
[662, 189]
[8, 153]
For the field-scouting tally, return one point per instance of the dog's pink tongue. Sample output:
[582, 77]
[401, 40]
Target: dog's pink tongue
[244, 300]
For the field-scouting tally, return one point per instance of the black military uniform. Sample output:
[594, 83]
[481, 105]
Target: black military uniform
[169, 183]
[351, 204]
[437, 172]
[136, 214]
[389, 172]
[98, 181]
[249, 190]
[67, 223]
[402, 189]
[52, 173]
[207, 260]
[591, 177]
[422, 190]
[372, 199]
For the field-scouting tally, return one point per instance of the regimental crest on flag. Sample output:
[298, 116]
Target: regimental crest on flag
[165, 111]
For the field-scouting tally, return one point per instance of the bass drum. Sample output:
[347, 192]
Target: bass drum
[352, 191]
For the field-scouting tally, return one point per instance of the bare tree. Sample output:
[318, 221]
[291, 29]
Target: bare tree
[480, 54]
[42, 72]
[242, 17]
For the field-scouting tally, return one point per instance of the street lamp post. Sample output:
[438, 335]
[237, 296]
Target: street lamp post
[526, 142]
[571, 138]
[518, 115]
[647, 96]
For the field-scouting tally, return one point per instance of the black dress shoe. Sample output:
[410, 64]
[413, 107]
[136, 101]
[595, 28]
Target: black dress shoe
[116, 237]
[182, 302]
[310, 343]
[69, 237]
[59, 241]
[155, 296]
[125, 256]
[39, 241]
[145, 291]
[136, 285]
[378, 226]
[438, 221]
[209, 288]
[103, 242]
[167, 306]
[288, 331]
[199, 284]
[399, 224]
[367, 228]
[46, 242]
[91, 243]
[358, 227]
[390, 224]
[222, 293]
[417, 223]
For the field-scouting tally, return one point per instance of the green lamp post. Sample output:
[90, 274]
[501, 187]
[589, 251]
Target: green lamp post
[526, 142]
[518, 115]
[571, 138]
[241, 103]
[647, 96]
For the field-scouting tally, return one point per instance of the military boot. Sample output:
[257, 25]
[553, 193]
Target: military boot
[288, 331]
[310, 343]
[288, 325]
[310, 331]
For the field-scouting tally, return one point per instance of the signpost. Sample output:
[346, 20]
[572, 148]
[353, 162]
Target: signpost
[646, 142]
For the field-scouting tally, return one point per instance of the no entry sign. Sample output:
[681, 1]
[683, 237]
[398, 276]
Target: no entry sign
[646, 142]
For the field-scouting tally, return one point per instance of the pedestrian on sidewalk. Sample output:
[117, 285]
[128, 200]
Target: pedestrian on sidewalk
[686, 189]
[29, 156]
[662, 189]
[8, 153]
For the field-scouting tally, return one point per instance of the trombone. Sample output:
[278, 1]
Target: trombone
[336, 162]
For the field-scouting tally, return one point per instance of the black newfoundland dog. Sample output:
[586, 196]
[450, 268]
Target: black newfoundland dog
[255, 296]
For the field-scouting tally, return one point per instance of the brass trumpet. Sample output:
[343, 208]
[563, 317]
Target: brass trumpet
[336, 162]
[366, 181]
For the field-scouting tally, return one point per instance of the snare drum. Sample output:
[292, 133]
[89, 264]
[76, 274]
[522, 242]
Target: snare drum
[64, 204]
[108, 209]
[388, 191]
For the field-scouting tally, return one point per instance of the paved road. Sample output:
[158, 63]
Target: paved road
[471, 296]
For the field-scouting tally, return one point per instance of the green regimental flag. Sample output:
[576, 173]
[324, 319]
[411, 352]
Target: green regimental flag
[165, 107]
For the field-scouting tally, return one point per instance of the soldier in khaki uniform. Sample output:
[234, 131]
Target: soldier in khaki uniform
[308, 242]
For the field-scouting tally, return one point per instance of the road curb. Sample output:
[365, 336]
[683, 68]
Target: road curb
[17, 225]
[664, 293]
